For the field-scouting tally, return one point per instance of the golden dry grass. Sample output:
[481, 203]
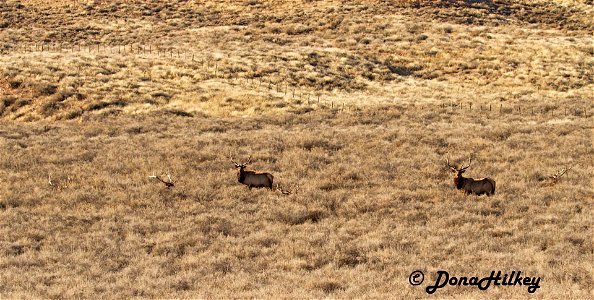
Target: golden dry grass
[357, 54]
[372, 199]
[372, 202]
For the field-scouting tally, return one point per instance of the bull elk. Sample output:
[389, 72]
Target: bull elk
[471, 185]
[253, 178]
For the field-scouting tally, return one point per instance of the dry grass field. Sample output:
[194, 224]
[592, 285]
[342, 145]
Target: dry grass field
[353, 107]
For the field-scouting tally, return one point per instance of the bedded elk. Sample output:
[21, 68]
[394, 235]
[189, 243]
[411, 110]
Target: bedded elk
[471, 185]
[555, 178]
[253, 178]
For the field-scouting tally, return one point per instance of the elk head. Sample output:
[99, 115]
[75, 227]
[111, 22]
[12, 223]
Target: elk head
[242, 166]
[458, 171]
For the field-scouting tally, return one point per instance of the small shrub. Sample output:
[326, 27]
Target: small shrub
[104, 104]
[298, 218]
[49, 107]
[180, 113]
[15, 84]
[329, 287]
[298, 29]
[45, 89]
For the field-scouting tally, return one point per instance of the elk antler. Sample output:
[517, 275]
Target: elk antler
[168, 184]
[453, 168]
[237, 165]
[469, 161]
[286, 191]
[559, 173]
[232, 159]
[61, 183]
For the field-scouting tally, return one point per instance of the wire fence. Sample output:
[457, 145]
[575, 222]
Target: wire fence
[235, 74]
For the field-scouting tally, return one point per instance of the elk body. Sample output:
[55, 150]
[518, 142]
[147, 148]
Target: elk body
[253, 178]
[471, 185]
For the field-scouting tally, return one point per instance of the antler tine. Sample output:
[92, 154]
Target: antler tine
[230, 157]
[249, 160]
[469, 162]
[562, 172]
[450, 166]
[167, 183]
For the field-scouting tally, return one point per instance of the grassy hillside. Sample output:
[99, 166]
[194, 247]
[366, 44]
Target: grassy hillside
[68, 60]
[97, 96]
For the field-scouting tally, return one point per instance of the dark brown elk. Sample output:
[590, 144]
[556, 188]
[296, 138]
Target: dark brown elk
[253, 178]
[471, 185]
